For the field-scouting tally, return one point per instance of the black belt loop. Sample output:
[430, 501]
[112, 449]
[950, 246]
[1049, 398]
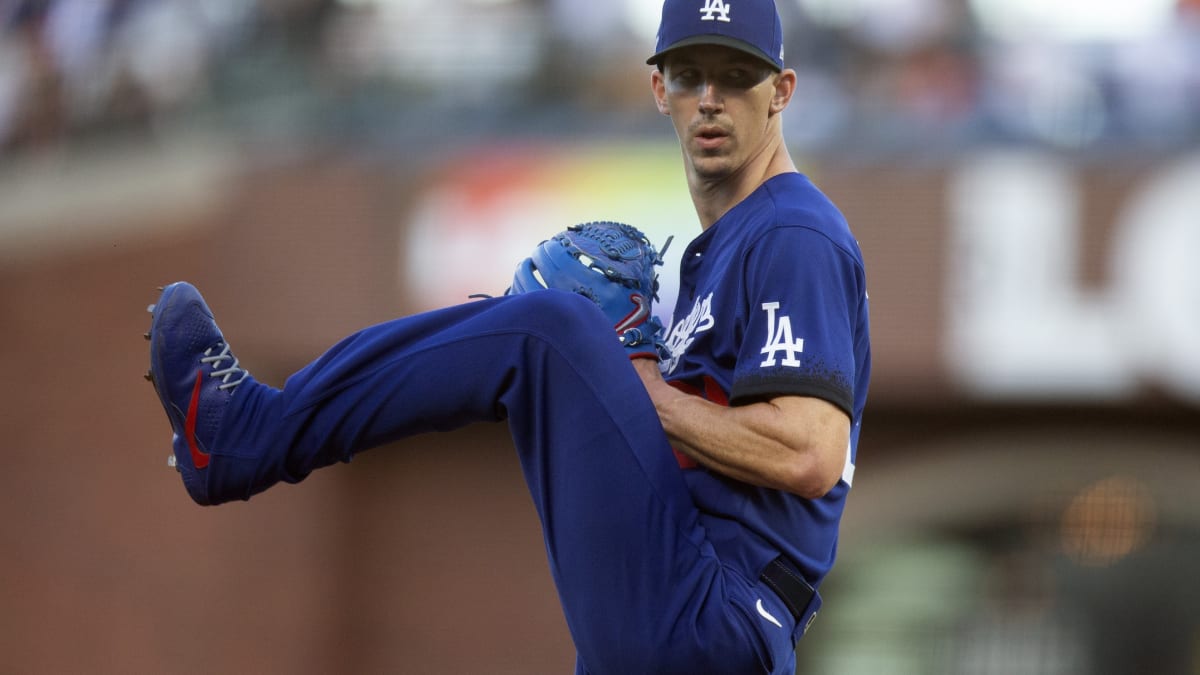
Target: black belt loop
[790, 586]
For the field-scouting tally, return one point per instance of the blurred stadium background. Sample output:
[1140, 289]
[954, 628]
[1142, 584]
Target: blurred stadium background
[1024, 178]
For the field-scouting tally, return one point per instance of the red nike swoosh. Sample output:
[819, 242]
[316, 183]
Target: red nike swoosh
[635, 318]
[199, 457]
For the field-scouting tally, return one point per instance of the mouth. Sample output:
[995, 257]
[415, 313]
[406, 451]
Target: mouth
[710, 137]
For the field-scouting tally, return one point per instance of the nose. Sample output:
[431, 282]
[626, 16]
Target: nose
[710, 99]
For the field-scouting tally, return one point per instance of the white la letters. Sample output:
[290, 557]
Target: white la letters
[715, 10]
[779, 339]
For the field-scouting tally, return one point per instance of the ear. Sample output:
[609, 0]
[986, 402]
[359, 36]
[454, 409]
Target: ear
[658, 85]
[785, 86]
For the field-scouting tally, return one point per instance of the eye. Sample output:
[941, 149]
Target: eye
[687, 77]
[742, 78]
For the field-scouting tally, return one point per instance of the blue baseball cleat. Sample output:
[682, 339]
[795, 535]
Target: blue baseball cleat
[196, 375]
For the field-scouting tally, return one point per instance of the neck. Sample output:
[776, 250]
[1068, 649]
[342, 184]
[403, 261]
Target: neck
[714, 197]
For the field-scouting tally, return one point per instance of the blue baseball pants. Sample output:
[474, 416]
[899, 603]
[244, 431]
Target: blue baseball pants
[640, 585]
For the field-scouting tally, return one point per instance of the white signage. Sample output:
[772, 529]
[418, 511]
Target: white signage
[1020, 323]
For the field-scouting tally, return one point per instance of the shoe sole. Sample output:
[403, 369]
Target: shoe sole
[155, 338]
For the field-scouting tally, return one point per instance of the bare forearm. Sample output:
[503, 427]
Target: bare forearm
[725, 440]
[789, 444]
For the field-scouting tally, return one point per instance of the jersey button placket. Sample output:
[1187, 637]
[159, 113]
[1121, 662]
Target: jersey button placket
[691, 263]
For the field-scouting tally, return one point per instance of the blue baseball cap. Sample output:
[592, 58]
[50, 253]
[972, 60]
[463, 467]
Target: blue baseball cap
[751, 26]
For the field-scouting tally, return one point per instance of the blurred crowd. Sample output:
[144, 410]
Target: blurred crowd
[927, 71]
[73, 70]
[905, 75]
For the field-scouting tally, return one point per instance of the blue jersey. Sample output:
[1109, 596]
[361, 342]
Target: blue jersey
[773, 301]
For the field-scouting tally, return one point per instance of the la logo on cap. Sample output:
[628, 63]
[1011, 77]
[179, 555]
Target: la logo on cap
[715, 10]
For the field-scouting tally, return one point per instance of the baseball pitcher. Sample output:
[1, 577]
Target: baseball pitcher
[689, 478]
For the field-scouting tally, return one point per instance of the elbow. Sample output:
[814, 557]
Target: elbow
[810, 488]
[812, 476]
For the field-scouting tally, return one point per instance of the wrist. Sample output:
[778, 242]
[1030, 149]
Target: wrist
[647, 369]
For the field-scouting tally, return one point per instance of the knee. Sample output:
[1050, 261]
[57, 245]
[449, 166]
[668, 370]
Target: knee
[553, 313]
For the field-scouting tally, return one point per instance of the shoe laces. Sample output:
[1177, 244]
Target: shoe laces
[228, 373]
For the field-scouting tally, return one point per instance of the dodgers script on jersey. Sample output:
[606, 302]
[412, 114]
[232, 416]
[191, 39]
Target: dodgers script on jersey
[773, 301]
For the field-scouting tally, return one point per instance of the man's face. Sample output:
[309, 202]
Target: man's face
[720, 101]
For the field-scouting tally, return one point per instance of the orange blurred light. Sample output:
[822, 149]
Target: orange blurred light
[1107, 521]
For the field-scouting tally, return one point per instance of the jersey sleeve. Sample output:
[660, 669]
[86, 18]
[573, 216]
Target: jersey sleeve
[802, 292]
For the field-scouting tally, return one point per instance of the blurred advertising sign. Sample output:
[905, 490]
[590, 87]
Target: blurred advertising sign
[1019, 321]
[485, 213]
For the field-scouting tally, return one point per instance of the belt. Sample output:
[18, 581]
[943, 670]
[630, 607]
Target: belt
[788, 583]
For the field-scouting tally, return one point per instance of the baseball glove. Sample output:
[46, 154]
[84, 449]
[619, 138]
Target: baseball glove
[613, 265]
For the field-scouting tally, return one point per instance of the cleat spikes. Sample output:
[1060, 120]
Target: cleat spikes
[150, 308]
[146, 335]
[149, 376]
[160, 289]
